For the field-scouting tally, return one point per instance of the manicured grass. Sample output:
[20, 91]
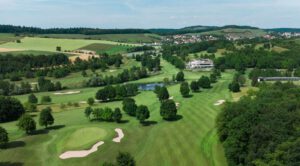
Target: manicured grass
[91, 135]
[50, 44]
[191, 140]
[8, 37]
[106, 48]
[125, 38]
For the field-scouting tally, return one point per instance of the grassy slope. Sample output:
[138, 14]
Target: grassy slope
[126, 38]
[189, 141]
[50, 44]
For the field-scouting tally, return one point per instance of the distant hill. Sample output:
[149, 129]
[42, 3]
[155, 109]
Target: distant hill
[281, 30]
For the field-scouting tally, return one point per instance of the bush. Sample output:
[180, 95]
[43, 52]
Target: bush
[46, 100]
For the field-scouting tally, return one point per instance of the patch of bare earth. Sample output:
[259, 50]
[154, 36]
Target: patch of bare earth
[81, 56]
[9, 49]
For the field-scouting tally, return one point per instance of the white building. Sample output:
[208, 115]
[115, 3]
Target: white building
[200, 64]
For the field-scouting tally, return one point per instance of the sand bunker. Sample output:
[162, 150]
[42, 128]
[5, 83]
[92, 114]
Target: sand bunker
[177, 105]
[120, 135]
[66, 93]
[80, 153]
[112, 71]
[171, 98]
[9, 49]
[219, 102]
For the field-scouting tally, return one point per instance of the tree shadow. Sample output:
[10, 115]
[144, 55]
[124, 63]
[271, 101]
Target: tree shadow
[189, 96]
[149, 123]
[56, 127]
[14, 144]
[11, 164]
[177, 118]
[38, 132]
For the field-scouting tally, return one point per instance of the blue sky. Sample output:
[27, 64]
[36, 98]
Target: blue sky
[150, 13]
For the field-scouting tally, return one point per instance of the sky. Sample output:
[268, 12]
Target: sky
[150, 13]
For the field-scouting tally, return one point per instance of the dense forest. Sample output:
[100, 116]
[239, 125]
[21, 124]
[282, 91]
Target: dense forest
[86, 31]
[263, 129]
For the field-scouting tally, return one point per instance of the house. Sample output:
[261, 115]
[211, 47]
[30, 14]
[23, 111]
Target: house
[200, 64]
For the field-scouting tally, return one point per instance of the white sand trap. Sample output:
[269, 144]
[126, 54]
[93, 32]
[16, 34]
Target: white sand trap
[81, 153]
[120, 135]
[177, 105]
[171, 98]
[112, 71]
[82, 102]
[66, 93]
[219, 102]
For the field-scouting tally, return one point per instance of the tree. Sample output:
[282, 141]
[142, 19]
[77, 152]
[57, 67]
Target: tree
[194, 86]
[91, 101]
[46, 100]
[88, 111]
[125, 159]
[204, 82]
[163, 94]
[142, 113]
[26, 123]
[10, 109]
[83, 73]
[58, 48]
[129, 106]
[234, 87]
[121, 91]
[117, 115]
[213, 78]
[168, 110]
[3, 136]
[46, 117]
[30, 107]
[180, 76]
[32, 99]
[107, 93]
[184, 89]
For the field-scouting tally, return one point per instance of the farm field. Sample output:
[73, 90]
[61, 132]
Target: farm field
[8, 37]
[106, 48]
[50, 44]
[191, 140]
[125, 38]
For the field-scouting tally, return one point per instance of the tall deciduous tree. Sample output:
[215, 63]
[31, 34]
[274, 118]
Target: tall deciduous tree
[46, 117]
[129, 106]
[142, 113]
[184, 89]
[180, 76]
[117, 115]
[27, 124]
[32, 99]
[125, 159]
[168, 110]
[194, 86]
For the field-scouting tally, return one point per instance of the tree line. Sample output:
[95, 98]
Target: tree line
[262, 128]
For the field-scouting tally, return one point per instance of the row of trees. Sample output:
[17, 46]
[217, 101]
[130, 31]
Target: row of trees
[110, 93]
[262, 128]
[132, 74]
[104, 114]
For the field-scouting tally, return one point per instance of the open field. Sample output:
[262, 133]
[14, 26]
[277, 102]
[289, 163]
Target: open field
[50, 44]
[28, 52]
[125, 38]
[191, 140]
[106, 48]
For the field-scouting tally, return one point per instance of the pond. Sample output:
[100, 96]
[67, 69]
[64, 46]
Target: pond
[150, 87]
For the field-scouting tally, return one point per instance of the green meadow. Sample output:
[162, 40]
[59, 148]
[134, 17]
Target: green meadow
[50, 44]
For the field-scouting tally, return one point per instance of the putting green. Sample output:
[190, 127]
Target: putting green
[91, 135]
